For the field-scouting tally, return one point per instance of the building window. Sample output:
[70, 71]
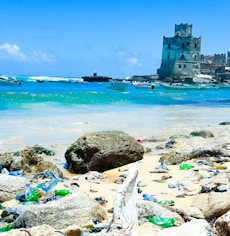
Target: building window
[194, 57]
[182, 56]
[195, 45]
[182, 45]
[168, 56]
[179, 66]
[169, 46]
[184, 66]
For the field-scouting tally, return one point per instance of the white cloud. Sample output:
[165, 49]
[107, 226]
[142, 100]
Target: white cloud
[132, 60]
[12, 51]
[40, 56]
[129, 58]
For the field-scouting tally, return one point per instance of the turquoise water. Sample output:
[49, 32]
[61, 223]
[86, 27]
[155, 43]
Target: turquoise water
[49, 95]
[51, 113]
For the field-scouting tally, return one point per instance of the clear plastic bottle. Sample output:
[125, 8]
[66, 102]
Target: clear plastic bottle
[51, 185]
[5, 171]
[180, 191]
[149, 197]
[28, 190]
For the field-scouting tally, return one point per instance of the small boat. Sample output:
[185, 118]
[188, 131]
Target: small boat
[9, 80]
[182, 86]
[117, 84]
[143, 85]
[96, 78]
[224, 85]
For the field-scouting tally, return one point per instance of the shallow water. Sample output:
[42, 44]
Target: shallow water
[58, 113]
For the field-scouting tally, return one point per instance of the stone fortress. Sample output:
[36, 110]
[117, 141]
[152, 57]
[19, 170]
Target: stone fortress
[182, 60]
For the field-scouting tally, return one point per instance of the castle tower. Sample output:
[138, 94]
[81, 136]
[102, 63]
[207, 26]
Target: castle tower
[228, 58]
[180, 55]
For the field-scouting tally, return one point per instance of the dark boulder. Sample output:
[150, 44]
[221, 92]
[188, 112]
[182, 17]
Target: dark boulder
[101, 151]
[225, 123]
[202, 133]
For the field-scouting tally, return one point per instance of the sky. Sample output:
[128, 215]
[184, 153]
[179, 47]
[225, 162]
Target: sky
[116, 38]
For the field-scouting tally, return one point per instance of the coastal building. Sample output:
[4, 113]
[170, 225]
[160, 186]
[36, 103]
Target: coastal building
[180, 55]
[217, 65]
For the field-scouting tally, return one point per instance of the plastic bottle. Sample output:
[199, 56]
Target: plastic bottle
[28, 190]
[221, 167]
[33, 197]
[163, 222]
[5, 171]
[35, 194]
[180, 190]
[62, 192]
[6, 228]
[16, 173]
[149, 197]
[51, 185]
[186, 166]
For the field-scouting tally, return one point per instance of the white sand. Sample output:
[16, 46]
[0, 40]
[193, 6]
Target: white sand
[60, 131]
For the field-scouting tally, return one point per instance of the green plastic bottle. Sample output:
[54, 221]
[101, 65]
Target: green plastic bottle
[6, 228]
[186, 166]
[62, 192]
[34, 196]
[163, 222]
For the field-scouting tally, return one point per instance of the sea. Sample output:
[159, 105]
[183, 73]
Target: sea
[57, 110]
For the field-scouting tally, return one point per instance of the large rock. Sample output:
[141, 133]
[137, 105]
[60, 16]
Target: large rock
[196, 227]
[222, 225]
[10, 186]
[102, 151]
[47, 230]
[202, 133]
[42, 230]
[148, 209]
[213, 204]
[76, 208]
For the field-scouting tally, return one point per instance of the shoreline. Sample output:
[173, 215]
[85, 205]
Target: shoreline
[139, 125]
[52, 129]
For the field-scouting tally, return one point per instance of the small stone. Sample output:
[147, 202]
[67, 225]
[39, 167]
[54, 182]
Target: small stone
[166, 176]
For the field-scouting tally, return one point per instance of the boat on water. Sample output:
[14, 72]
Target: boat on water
[224, 85]
[143, 85]
[96, 78]
[188, 86]
[9, 80]
[117, 84]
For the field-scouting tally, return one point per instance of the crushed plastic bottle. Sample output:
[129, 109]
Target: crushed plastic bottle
[62, 192]
[16, 173]
[180, 190]
[163, 222]
[149, 197]
[186, 166]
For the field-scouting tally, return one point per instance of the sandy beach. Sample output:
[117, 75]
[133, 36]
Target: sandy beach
[58, 133]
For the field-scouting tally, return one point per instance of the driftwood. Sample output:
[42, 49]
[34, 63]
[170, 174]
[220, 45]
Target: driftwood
[124, 221]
